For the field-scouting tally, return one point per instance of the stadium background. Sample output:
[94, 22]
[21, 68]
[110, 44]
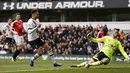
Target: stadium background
[117, 10]
[76, 19]
[65, 24]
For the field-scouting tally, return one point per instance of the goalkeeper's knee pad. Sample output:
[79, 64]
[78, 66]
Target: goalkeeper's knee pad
[105, 61]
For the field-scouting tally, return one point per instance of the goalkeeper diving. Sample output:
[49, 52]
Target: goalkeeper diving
[103, 57]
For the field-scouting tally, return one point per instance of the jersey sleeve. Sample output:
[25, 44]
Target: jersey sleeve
[13, 24]
[30, 27]
[29, 24]
[102, 34]
[122, 51]
[5, 27]
[38, 21]
[98, 40]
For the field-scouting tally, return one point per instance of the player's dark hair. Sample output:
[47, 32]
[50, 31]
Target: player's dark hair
[17, 14]
[9, 18]
[34, 11]
[117, 29]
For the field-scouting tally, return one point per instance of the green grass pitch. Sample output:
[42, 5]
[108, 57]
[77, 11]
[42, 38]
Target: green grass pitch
[22, 66]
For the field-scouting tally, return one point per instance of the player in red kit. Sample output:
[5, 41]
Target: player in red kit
[100, 35]
[18, 35]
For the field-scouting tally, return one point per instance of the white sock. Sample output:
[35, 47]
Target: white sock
[50, 53]
[35, 57]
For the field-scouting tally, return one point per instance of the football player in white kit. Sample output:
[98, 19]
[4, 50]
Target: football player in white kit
[35, 41]
[9, 32]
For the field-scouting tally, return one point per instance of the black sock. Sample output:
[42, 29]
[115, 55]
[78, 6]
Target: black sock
[16, 53]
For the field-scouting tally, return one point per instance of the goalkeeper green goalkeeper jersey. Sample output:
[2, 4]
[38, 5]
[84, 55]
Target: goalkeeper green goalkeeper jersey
[110, 45]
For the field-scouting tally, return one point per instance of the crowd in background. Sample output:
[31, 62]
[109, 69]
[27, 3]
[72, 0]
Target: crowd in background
[70, 39]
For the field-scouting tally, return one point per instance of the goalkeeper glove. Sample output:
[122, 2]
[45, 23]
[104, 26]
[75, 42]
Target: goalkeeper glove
[89, 35]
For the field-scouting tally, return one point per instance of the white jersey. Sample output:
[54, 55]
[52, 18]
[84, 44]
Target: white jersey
[8, 31]
[32, 24]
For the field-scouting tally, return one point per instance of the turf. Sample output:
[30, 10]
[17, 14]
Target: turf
[22, 66]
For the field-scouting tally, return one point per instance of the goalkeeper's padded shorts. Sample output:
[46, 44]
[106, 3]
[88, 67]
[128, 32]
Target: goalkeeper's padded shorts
[100, 56]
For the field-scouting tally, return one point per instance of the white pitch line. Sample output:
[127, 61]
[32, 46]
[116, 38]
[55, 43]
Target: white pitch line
[31, 70]
[14, 71]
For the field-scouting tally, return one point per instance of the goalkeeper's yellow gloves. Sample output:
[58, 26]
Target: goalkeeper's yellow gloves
[89, 35]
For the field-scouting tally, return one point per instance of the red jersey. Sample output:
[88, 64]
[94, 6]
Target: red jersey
[100, 34]
[18, 27]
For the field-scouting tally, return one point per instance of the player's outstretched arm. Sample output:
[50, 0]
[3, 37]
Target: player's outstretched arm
[122, 51]
[30, 30]
[94, 39]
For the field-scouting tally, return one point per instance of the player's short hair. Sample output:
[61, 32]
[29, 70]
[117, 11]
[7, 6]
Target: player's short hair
[17, 14]
[9, 18]
[117, 29]
[34, 10]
